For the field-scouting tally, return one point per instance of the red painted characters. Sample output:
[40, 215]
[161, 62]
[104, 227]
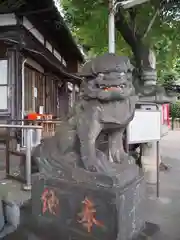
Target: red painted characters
[87, 216]
[50, 202]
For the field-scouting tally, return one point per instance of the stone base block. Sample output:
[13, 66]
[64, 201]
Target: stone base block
[87, 210]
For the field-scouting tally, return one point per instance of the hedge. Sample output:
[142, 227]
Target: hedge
[175, 110]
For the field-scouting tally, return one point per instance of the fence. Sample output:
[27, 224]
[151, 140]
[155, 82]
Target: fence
[175, 123]
[29, 129]
[12, 135]
[48, 128]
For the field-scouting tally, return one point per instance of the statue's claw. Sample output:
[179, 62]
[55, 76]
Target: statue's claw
[91, 168]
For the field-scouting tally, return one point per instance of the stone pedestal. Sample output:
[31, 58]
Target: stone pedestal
[149, 162]
[92, 207]
[130, 205]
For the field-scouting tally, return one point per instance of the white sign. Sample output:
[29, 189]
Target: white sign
[41, 109]
[35, 92]
[145, 127]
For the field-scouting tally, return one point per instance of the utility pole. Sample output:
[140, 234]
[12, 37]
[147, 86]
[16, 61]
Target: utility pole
[113, 4]
[111, 44]
[111, 26]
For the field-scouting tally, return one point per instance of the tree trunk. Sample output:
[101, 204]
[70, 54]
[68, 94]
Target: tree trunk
[141, 55]
[144, 58]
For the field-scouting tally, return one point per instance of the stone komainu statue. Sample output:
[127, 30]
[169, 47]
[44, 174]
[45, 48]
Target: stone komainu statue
[97, 199]
[107, 105]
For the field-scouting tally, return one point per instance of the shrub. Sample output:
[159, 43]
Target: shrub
[175, 110]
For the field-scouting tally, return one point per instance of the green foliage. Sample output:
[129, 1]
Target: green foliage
[89, 22]
[168, 78]
[175, 110]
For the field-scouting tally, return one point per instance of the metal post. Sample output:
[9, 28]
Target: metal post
[27, 186]
[111, 38]
[111, 30]
[7, 153]
[157, 161]
[157, 166]
[23, 99]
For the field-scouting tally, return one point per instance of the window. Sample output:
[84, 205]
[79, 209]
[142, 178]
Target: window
[3, 84]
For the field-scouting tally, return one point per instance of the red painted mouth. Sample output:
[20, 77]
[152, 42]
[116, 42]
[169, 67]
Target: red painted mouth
[111, 88]
[122, 86]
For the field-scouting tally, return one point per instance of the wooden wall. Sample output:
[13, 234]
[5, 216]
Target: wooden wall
[40, 86]
[34, 80]
[50, 93]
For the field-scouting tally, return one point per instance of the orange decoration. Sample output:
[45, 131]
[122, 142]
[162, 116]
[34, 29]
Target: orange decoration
[32, 116]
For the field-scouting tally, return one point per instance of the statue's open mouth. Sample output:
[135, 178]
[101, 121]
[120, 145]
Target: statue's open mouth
[112, 87]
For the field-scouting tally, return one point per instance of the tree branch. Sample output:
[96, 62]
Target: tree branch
[151, 23]
[123, 27]
[133, 14]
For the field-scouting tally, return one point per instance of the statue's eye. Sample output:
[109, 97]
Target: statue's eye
[122, 74]
[123, 85]
[101, 75]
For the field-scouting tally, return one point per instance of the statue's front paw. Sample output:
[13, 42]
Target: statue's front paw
[117, 157]
[121, 157]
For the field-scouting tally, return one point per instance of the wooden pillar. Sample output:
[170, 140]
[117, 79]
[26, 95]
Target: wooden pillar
[18, 84]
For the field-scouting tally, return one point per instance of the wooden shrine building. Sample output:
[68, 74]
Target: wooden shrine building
[37, 55]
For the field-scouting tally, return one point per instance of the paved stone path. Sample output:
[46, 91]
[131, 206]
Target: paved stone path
[165, 211]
